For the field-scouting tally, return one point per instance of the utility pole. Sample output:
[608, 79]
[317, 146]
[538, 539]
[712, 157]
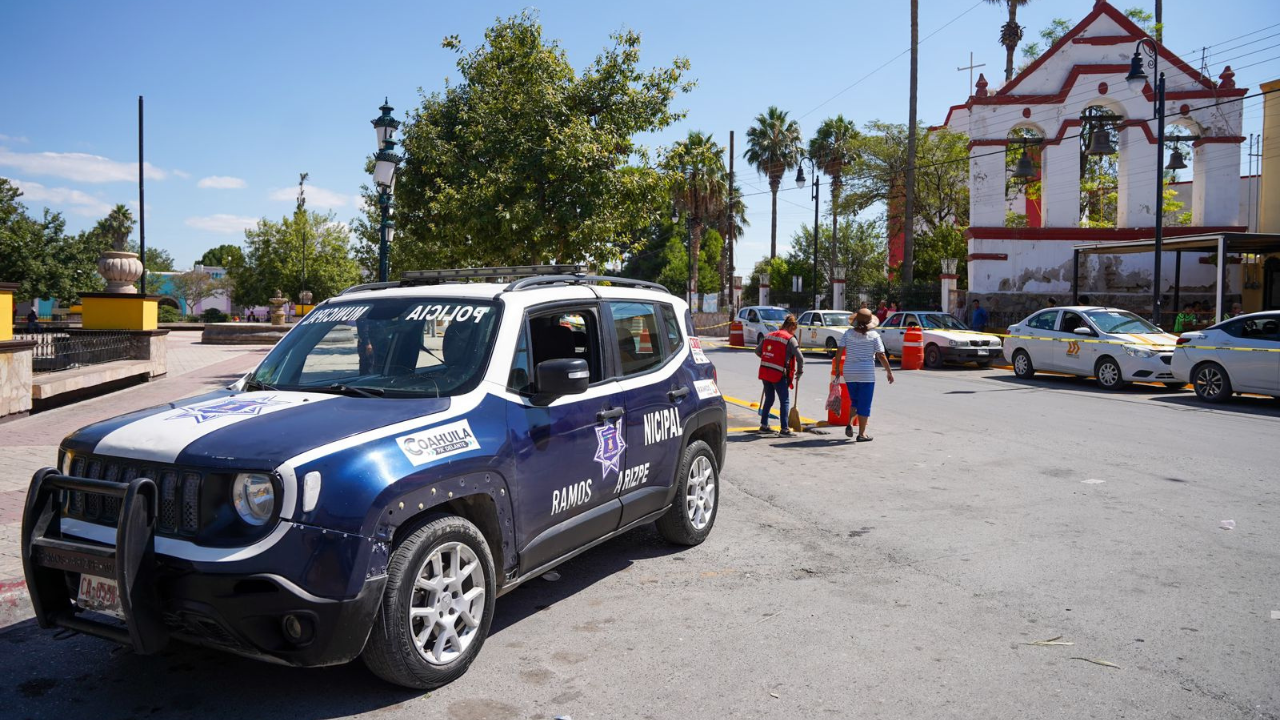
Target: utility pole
[300, 218]
[1159, 21]
[142, 206]
[909, 214]
[733, 220]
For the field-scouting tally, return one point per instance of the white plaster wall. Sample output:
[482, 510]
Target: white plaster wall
[1045, 267]
[1060, 185]
[1136, 180]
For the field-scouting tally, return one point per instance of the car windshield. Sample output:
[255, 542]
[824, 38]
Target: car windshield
[941, 322]
[836, 319]
[773, 314]
[1121, 321]
[385, 347]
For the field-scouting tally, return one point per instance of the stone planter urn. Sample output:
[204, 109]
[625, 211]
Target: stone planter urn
[121, 270]
[277, 308]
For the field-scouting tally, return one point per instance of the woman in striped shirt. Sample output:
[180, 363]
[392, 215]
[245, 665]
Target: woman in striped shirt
[862, 347]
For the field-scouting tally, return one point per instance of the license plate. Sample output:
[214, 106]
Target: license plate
[984, 352]
[100, 595]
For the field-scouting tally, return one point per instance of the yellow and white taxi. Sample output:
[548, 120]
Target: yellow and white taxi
[822, 329]
[1113, 345]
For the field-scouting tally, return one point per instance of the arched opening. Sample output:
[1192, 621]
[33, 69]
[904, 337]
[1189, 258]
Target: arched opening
[1099, 166]
[1023, 187]
[1180, 186]
[166, 301]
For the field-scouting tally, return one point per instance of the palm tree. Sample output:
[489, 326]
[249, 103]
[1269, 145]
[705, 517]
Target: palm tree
[1010, 33]
[699, 187]
[773, 147]
[834, 146]
[116, 226]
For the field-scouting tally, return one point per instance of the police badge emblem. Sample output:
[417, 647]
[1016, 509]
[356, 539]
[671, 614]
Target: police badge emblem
[609, 447]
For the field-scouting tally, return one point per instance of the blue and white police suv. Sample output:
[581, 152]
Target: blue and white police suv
[406, 454]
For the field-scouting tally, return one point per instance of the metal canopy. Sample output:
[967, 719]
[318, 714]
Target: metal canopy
[1235, 243]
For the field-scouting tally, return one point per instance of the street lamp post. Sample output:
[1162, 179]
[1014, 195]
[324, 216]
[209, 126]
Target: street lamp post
[1137, 79]
[817, 181]
[384, 177]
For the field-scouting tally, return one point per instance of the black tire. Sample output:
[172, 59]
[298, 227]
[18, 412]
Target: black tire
[392, 653]
[1107, 371]
[680, 524]
[1211, 382]
[984, 364]
[759, 342]
[833, 348]
[1022, 366]
[1175, 385]
[932, 357]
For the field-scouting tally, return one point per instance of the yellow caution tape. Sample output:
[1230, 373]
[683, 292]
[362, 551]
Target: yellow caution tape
[1081, 339]
[712, 327]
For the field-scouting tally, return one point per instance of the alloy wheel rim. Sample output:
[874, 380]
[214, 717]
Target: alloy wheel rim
[700, 493]
[1209, 382]
[447, 604]
[1020, 363]
[1109, 374]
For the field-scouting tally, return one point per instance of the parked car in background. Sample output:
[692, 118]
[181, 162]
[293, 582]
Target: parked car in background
[1113, 345]
[821, 329]
[760, 320]
[1237, 355]
[946, 339]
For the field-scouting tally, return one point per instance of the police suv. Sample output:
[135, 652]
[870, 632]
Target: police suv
[408, 452]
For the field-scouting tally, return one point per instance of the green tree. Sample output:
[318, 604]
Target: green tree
[860, 250]
[158, 259]
[221, 256]
[944, 241]
[833, 147]
[116, 227]
[1010, 33]
[942, 174]
[41, 257]
[700, 188]
[524, 160]
[273, 259]
[191, 287]
[773, 148]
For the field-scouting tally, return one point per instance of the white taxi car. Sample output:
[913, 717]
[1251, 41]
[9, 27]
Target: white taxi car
[1066, 340]
[760, 320]
[1237, 355]
[823, 329]
[946, 339]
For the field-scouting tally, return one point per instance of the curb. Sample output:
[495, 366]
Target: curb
[15, 605]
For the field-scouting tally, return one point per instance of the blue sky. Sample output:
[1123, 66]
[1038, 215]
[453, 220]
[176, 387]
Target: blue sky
[242, 96]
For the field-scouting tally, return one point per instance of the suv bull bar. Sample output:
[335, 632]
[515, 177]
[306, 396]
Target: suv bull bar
[47, 556]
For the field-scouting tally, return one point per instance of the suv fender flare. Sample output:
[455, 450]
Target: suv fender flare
[712, 419]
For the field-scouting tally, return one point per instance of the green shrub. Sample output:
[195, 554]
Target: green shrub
[213, 315]
[170, 314]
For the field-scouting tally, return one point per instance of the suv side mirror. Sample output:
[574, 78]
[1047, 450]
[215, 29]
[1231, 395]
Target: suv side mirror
[559, 377]
[1083, 330]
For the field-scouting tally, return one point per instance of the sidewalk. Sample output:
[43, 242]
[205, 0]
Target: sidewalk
[30, 443]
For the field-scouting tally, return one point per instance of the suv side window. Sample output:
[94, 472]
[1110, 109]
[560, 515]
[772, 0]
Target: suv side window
[639, 341]
[573, 333]
[520, 380]
[674, 339]
[1043, 321]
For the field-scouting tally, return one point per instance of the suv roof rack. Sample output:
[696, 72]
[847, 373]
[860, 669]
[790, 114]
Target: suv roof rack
[370, 286]
[581, 279]
[504, 272]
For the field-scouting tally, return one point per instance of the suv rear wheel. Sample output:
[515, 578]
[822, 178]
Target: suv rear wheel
[689, 520]
[437, 607]
[1211, 383]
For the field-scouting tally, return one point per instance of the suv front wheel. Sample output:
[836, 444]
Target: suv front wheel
[693, 512]
[437, 606]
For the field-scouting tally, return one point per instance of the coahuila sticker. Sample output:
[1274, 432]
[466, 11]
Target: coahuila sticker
[438, 443]
[695, 347]
[706, 389]
[609, 447]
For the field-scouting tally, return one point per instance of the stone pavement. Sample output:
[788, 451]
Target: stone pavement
[30, 443]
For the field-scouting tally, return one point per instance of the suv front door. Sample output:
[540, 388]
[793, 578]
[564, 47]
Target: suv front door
[567, 452]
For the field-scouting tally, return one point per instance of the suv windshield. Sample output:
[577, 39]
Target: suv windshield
[941, 322]
[1121, 321]
[773, 314]
[836, 319]
[394, 347]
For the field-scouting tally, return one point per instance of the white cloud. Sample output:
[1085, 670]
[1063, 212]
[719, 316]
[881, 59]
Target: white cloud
[75, 201]
[79, 167]
[14, 138]
[221, 182]
[317, 197]
[182, 174]
[221, 223]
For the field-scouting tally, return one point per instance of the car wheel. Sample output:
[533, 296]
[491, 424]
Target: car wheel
[1022, 366]
[437, 606]
[1108, 373]
[932, 357]
[689, 520]
[1211, 383]
[833, 348]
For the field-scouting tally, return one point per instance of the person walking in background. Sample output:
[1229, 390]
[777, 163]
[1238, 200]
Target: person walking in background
[33, 321]
[780, 365]
[862, 347]
[978, 317]
[882, 311]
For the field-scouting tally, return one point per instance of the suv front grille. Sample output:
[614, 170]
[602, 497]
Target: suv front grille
[179, 494]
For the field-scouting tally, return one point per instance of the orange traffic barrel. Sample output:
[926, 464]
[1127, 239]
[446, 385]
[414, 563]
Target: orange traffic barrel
[839, 418]
[913, 349]
[735, 334]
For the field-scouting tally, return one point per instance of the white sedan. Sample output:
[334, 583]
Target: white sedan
[1237, 355]
[822, 329]
[1113, 345]
[946, 339]
[758, 321]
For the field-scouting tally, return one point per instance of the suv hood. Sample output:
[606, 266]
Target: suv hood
[244, 430]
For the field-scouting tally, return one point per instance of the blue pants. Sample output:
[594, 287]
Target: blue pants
[784, 401]
[860, 397]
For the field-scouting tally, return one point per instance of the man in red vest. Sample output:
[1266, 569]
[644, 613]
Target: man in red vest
[780, 365]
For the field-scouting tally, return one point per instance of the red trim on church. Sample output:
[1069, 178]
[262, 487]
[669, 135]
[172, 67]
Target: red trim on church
[1080, 235]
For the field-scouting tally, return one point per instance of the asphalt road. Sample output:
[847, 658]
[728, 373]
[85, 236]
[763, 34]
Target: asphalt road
[899, 579]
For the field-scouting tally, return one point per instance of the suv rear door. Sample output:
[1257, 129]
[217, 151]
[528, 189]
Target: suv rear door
[566, 454]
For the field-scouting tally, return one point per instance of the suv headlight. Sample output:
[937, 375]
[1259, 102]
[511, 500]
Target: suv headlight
[1139, 352]
[254, 496]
